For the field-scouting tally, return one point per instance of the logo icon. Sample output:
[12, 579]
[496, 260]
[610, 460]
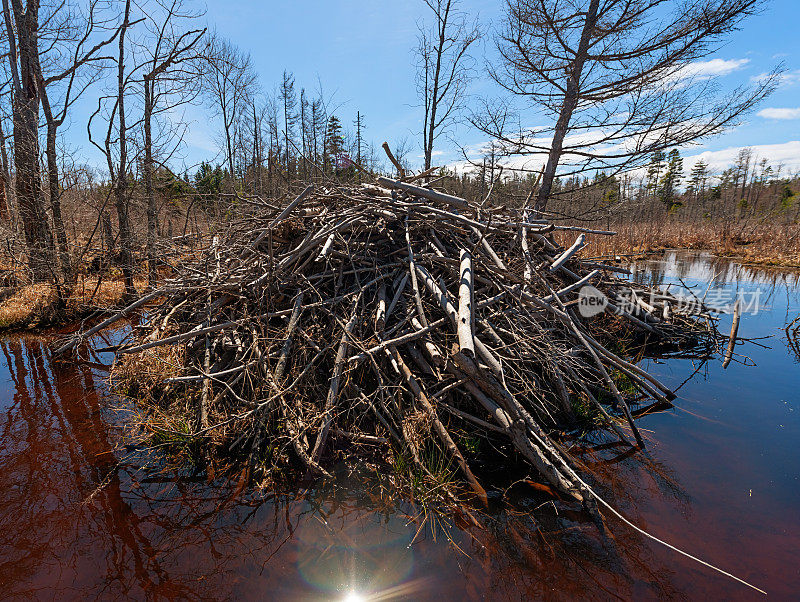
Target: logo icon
[591, 301]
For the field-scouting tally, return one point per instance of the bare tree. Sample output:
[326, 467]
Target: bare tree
[72, 41]
[258, 108]
[230, 83]
[166, 84]
[288, 98]
[616, 76]
[22, 28]
[6, 205]
[443, 68]
[121, 180]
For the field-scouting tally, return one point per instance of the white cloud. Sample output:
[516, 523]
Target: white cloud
[786, 154]
[700, 70]
[788, 78]
[774, 113]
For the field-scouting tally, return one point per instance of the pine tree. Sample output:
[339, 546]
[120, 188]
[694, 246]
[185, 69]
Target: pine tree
[359, 123]
[334, 141]
[654, 171]
[697, 179]
[671, 179]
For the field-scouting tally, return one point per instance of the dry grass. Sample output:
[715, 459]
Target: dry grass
[35, 304]
[140, 375]
[26, 302]
[762, 244]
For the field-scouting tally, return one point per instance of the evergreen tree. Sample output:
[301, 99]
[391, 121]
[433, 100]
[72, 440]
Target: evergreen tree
[334, 141]
[697, 179]
[671, 179]
[654, 171]
[359, 123]
[208, 184]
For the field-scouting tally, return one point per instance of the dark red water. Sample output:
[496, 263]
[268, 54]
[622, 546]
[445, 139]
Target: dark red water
[721, 481]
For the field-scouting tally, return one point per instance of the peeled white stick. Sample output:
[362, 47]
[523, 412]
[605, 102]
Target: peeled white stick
[575, 285]
[466, 340]
[452, 313]
[579, 243]
[526, 254]
[380, 314]
[737, 312]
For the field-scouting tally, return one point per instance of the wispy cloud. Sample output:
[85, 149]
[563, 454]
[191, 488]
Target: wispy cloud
[775, 113]
[701, 70]
[789, 78]
[786, 154]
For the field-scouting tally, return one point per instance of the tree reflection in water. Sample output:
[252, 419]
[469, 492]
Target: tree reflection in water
[146, 535]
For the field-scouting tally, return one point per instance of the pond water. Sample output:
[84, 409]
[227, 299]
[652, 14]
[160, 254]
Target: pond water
[80, 519]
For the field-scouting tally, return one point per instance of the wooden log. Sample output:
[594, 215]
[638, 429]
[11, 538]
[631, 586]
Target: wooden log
[523, 444]
[466, 316]
[399, 291]
[490, 250]
[282, 216]
[452, 313]
[333, 390]
[737, 310]
[575, 285]
[433, 351]
[400, 171]
[405, 338]
[109, 321]
[579, 243]
[519, 415]
[414, 284]
[431, 195]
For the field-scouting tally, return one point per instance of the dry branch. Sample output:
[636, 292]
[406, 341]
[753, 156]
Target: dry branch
[328, 323]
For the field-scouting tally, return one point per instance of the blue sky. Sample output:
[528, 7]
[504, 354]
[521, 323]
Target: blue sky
[361, 53]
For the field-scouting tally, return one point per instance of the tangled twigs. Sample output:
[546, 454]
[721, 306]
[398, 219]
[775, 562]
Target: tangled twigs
[398, 324]
[329, 322]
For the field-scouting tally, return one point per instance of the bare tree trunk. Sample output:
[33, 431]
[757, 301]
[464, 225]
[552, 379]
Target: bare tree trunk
[108, 234]
[5, 173]
[53, 182]
[148, 181]
[429, 134]
[568, 106]
[121, 187]
[35, 225]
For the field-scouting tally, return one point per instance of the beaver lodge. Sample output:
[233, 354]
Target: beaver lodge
[396, 325]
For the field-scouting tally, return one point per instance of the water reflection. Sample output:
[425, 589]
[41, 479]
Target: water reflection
[720, 480]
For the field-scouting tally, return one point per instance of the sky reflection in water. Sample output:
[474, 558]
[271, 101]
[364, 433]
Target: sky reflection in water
[720, 480]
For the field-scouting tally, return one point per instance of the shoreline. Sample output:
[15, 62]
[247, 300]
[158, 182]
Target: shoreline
[31, 309]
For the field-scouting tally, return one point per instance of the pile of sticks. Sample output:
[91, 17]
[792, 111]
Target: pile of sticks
[395, 317]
